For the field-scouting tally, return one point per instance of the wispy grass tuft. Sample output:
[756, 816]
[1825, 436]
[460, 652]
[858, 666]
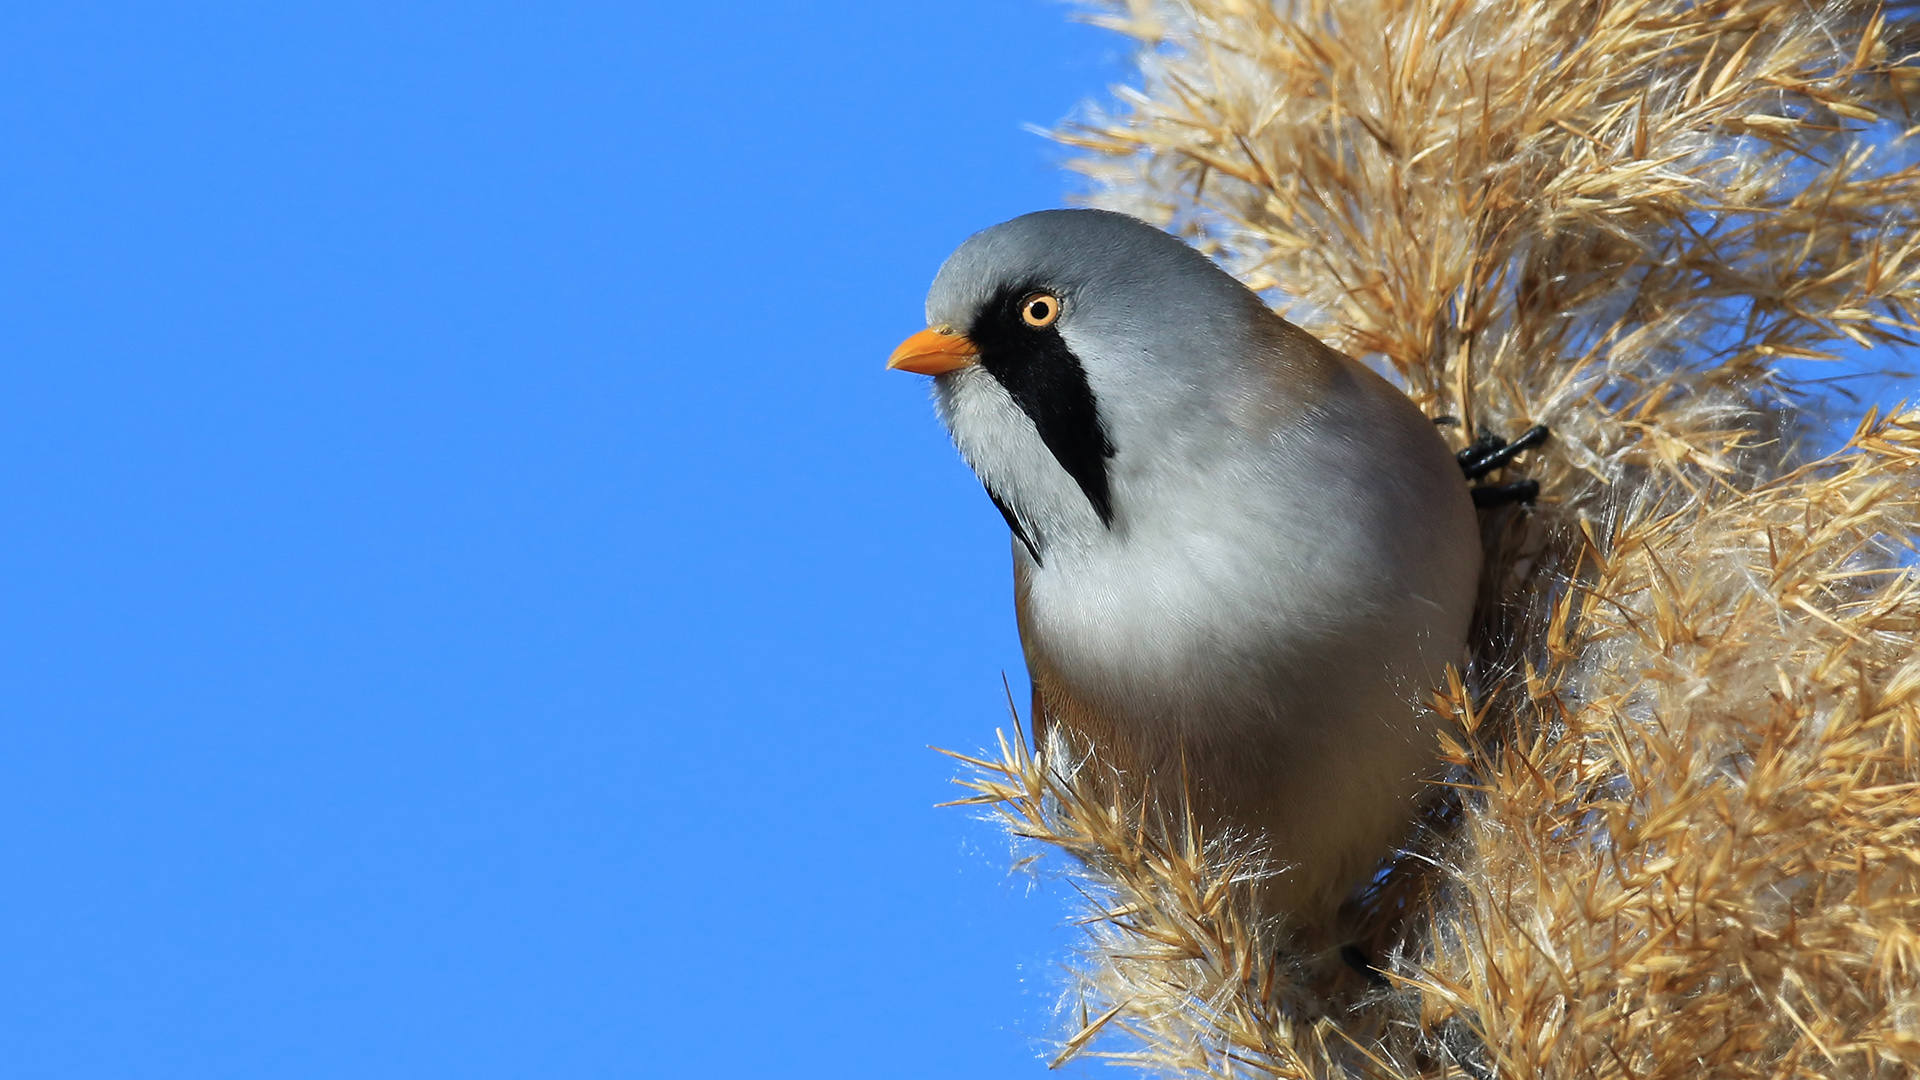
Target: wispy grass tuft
[1682, 832]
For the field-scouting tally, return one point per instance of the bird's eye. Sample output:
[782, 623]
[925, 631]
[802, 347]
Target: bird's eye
[1040, 309]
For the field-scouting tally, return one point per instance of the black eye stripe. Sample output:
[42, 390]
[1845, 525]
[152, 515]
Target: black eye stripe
[1045, 379]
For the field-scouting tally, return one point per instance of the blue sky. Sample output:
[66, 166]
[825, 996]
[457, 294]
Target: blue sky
[472, 603]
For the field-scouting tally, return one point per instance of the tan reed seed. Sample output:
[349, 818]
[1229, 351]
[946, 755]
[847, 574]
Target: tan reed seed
[1683, 830]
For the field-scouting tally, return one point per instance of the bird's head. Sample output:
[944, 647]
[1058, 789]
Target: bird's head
[1072, 349]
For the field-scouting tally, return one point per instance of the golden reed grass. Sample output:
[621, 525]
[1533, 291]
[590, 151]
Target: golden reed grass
[1681, 834]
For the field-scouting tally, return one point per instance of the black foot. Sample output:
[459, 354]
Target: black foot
[1490, 452]
[1520, 491]
[1357, 960]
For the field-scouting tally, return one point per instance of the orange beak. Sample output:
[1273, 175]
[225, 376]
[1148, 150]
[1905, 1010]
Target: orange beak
[933, 351]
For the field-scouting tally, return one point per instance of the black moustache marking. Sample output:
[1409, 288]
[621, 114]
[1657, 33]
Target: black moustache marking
[1019, 530]
[1046, 380]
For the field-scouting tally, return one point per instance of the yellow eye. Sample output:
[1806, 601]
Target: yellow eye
[1040, 309]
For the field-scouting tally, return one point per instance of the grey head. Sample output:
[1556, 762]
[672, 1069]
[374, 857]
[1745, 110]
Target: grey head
[1072, 351]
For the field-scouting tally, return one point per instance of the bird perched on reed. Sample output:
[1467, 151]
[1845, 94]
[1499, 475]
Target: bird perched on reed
[1241, 558]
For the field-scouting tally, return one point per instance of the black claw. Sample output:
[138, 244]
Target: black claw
[1520, 491]
[1490, 452]
[1479, 448]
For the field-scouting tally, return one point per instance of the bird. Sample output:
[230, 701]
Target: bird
[1241, 559]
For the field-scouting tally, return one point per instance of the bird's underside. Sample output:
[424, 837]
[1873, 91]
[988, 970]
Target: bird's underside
[1269, 764]
[1321, 810]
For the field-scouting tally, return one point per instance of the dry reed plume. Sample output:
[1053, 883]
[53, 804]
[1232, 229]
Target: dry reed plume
[1684, 834]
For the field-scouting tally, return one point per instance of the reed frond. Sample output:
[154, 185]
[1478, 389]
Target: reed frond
[1683, 830]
